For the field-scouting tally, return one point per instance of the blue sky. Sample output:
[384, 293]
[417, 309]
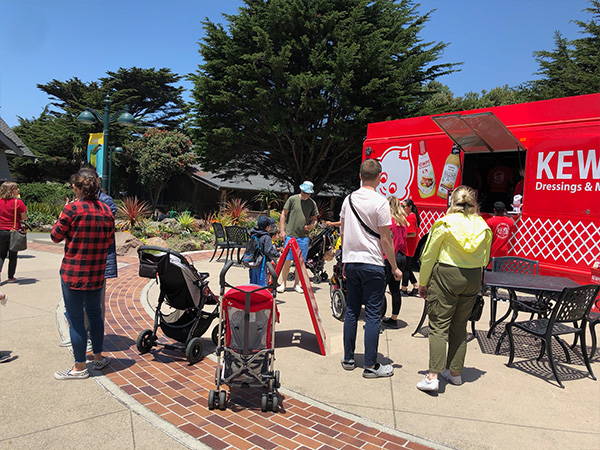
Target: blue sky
[41, 40]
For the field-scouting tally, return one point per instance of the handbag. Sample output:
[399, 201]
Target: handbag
[477, 308]
[18, 238]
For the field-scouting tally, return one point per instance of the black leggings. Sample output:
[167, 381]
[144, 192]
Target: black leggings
[394, 286]
[407, 273]
[12, 256]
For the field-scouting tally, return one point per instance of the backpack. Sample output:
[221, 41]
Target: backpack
[253, 256]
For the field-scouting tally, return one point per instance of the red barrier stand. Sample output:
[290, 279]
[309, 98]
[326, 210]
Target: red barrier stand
[309, 294]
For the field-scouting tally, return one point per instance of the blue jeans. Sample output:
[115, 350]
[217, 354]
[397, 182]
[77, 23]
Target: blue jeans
[365, 286]
[77, 304]
[302, 243]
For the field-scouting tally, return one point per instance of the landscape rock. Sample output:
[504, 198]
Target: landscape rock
[157, 242]
[126, 244]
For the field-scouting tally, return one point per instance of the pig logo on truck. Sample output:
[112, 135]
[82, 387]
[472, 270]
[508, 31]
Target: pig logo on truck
[397, 172]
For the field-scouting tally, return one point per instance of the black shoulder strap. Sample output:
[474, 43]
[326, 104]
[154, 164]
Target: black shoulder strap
[364, 225]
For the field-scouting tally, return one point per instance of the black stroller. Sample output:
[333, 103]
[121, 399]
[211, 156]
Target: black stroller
[337, 289]
[186, 292]
[319, 249]
[246, 351]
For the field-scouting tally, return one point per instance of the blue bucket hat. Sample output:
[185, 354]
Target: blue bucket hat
[307, 187]
[263, 222]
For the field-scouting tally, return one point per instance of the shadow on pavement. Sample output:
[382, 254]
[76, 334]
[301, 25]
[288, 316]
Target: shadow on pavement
[21, 281]
[116, 365]
[542, 370]
[116, 343]
[250, 399]
[25, 256]
[297, 338]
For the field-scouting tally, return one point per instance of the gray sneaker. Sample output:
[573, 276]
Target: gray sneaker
[349, 364]
[378, 371]
[455, 380]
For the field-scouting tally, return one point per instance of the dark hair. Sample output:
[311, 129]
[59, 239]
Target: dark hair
[499, 207]
[88, 171]
[87, 182]
[413, 208]
[370, 170]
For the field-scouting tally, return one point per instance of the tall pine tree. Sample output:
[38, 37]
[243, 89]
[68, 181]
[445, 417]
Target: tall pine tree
[572, 67]
[288, 88]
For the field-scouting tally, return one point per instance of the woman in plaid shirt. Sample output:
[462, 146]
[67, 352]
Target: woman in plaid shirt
[87, 226]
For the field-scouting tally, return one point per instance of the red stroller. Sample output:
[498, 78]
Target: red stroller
[246, 349]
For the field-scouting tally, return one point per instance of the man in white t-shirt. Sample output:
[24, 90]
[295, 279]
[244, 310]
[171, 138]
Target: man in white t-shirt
[366, 221]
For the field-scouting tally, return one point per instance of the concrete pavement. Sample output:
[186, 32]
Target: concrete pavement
[497, 407]
[37, 410]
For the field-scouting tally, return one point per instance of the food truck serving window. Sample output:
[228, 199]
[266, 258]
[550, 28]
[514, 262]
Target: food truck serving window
[479, 132]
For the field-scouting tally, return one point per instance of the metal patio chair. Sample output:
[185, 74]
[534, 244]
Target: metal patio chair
[512, 264]
[573, 305]
[237, 238]
[220, 241]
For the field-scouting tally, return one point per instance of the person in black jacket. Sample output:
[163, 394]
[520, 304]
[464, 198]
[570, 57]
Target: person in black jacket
[262, 233]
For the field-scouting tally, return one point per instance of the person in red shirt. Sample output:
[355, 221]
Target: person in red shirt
[88, 228]
[503, 227]
[12, 212]
[412, 240]
[398, 227]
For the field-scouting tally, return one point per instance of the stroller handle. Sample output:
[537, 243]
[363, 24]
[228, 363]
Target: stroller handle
[224, 271]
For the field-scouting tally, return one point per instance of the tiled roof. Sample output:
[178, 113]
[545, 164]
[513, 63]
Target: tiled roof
[253, 183]
[11, 143]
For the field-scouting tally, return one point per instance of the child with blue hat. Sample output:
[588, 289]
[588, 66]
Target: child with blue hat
[262, 234]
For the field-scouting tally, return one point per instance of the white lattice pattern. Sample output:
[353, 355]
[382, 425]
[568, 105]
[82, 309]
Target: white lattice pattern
[428, 217]
[558, 240]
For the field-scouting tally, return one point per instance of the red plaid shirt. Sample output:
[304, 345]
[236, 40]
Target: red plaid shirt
[88, 228]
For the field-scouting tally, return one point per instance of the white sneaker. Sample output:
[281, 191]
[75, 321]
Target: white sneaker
[299, 289]
[428, 385]
[455, 380]
[378, 371]
[281, 288]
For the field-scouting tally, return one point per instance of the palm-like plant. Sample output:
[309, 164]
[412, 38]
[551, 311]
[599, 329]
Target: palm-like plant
[267, 198]
[237, 210]
[186, 221]
[130, 212]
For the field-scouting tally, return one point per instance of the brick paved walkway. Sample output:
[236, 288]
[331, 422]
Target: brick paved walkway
[164, 383]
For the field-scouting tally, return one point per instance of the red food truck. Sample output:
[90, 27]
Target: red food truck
[547, 151]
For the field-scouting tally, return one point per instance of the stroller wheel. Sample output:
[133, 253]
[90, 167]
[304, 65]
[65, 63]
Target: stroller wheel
[222, 400]
[274, 402]
[215, 335]
[145, 341]
[212, 395]
[324, 277]
[193, 350]
[338, 304]
[264, 402]
[277, 376]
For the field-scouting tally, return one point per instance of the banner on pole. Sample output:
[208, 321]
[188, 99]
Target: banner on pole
[309, 295]
[95, 151]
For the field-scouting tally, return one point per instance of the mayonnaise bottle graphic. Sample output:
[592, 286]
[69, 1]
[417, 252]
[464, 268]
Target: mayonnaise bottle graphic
[425, 175]
[450, 173]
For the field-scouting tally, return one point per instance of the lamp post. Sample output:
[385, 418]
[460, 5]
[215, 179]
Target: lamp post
[91, 116]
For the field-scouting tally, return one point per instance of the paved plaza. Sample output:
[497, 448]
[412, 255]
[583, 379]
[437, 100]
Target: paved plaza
[157, 400]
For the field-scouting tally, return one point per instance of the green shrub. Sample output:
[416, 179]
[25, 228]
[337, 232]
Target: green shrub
[186, 221]
[39, 214]
[36, 219]
[49, 193]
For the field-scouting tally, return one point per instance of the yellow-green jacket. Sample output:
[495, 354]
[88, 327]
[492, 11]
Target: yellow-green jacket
[456, 239]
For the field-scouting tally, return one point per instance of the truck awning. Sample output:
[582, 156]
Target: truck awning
[479, 132]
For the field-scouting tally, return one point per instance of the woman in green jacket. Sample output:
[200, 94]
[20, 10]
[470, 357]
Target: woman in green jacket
[452, 262]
